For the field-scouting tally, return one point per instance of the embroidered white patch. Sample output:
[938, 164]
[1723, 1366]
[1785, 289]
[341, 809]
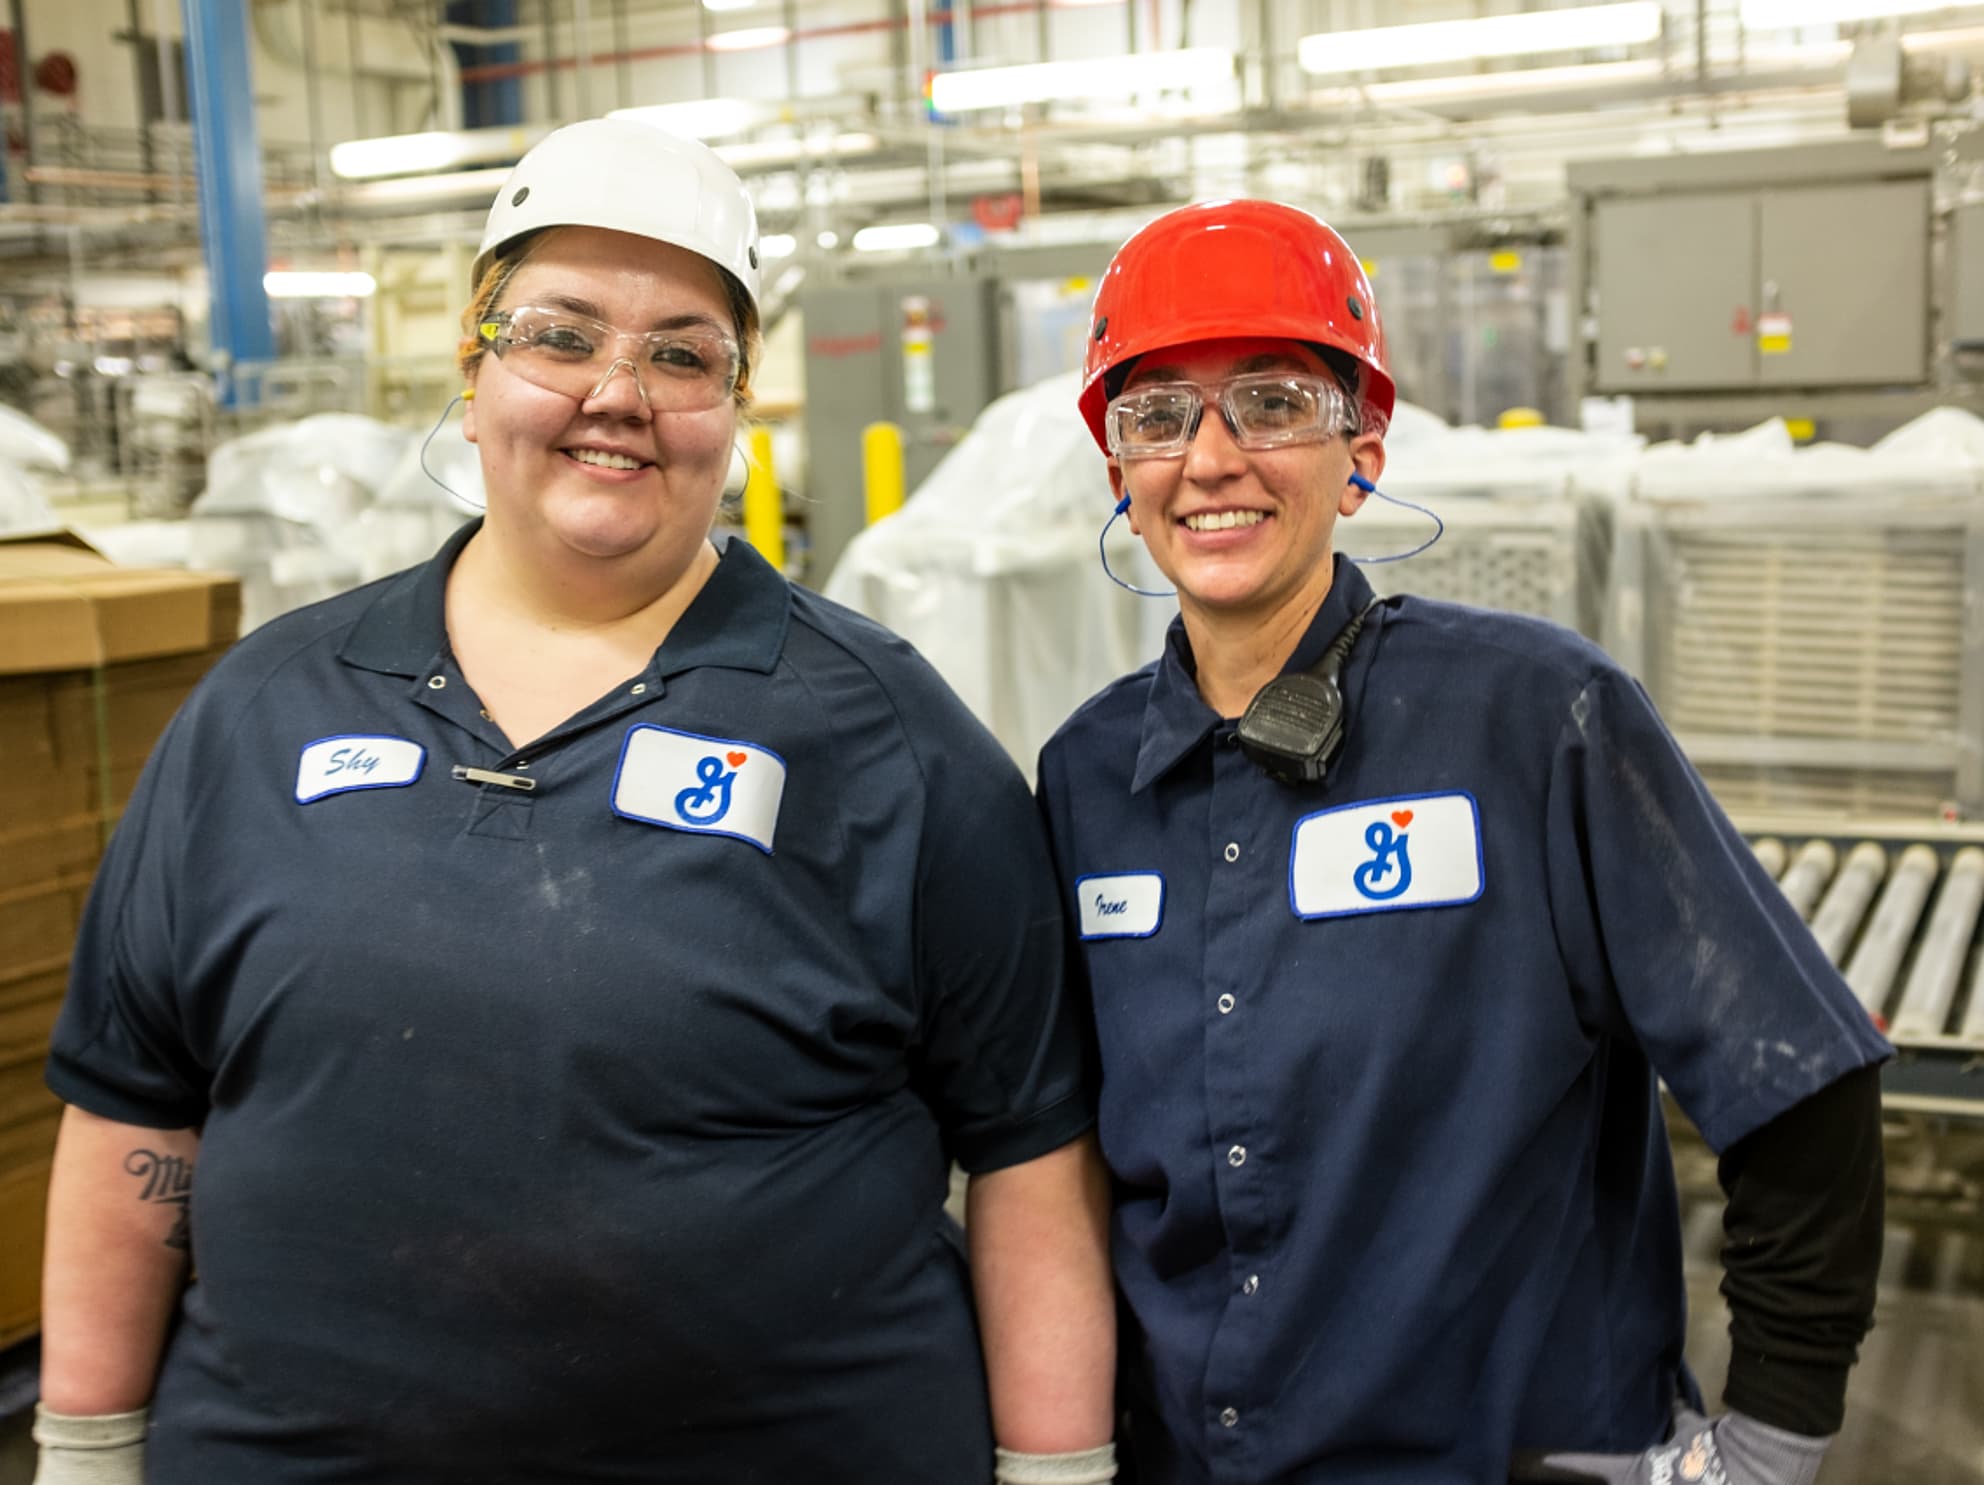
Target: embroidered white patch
[1415, 851]
[710, 785]
[1127, 905]
[337, 765]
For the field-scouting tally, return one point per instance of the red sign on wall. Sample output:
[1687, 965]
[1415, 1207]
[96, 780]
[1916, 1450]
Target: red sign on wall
[998, 213]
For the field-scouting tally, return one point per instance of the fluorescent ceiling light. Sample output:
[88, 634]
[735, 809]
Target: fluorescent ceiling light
[702, 118]
[280, 285]
[896, 237]
[778, 244]
[1532, 33]
[1502, 84]
[767, 152]
[828, 238]
[723, 5]
[748, 39]
[412, 154]
[1935, 41]
[1765, 15]
[1098, 77]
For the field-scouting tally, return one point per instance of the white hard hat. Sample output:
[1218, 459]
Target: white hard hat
[630, 177]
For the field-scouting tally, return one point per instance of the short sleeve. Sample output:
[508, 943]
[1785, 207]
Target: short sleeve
[1004, 1052]
[1674, 934]
[118, 1049]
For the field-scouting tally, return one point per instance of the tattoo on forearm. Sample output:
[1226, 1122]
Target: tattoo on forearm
[169, 1182]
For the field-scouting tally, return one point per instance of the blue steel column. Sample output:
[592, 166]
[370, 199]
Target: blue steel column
[228, 148]
[488, 102]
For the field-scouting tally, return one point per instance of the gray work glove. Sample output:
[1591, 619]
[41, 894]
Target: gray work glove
[1733, 1449]
[1083, 1467]
[108, 1449]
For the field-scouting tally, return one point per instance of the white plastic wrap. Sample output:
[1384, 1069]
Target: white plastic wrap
[28, 445]
[991, 570]
[414, 513]
[285, 510]
[1528, 517]
[318, 472]
[152, 543]
[1799, 615]
[22, 505]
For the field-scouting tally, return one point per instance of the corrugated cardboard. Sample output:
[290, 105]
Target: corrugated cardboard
[66, 606]
[94, 660]
[23, 1196]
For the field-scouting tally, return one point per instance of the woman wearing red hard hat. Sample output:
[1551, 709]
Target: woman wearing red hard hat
[1394, 914]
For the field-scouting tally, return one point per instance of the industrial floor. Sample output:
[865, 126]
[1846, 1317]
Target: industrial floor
[1915, 1412]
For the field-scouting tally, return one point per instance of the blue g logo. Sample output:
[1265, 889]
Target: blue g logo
[1389, 855]
[709, 803]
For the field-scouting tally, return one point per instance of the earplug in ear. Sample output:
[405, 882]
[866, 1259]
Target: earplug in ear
[468, 394]
[1122, 505]
[1363, 484]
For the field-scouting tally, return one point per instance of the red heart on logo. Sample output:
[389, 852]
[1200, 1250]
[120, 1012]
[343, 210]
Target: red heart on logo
[1401, 818]
[736, 759]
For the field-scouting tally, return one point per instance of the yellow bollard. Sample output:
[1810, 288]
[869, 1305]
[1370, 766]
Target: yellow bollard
[764, 507]
[881, 469]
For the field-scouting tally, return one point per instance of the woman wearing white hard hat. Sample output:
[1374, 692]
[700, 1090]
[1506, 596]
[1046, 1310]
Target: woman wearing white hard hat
[541, 992]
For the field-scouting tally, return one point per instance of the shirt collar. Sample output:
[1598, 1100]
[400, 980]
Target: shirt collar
[1176, 717]
[738, 620]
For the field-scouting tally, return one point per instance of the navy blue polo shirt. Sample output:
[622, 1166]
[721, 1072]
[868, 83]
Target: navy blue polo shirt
[596, 1132]
[1380, 1055]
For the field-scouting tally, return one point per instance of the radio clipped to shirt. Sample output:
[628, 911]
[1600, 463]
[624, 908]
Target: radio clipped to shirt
[1294, 726]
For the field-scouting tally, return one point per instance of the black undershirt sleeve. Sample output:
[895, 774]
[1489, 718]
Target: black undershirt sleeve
[1803, 1227]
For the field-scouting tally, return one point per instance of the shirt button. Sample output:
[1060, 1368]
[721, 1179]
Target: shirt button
[485, 715]
[1225, 1003]
[1237, 1156]
[1228, 1417]
[1232, 851]
[640, 688]
[1253, 1283]
[436, 682]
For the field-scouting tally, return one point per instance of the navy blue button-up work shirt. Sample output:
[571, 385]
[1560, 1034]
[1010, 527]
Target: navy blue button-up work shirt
[1380, 1055]
[591, 1132]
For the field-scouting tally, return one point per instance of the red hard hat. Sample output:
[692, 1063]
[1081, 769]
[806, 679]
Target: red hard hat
[1225, 269]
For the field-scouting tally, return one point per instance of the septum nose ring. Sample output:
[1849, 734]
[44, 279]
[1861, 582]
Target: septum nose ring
[633, 371]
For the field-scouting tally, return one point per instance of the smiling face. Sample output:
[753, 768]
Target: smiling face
[1242, 534]
[604, 476]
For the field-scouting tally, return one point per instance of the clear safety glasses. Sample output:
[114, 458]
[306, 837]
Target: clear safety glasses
[576, 355]
[1262, 410]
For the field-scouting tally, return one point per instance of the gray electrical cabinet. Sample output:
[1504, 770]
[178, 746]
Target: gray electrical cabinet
[1967, 260]
[1676, 288]
[1803, 286]
[1846, 271]
[922, 354]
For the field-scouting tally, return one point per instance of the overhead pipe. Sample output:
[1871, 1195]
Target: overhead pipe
[623, 76]
[492, 72]
[551, 49]
[137, 28]
[25, 71]
[313, 93]
[168, 90]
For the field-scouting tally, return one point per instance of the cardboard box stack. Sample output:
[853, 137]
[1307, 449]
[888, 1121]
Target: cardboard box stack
[94, 660]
